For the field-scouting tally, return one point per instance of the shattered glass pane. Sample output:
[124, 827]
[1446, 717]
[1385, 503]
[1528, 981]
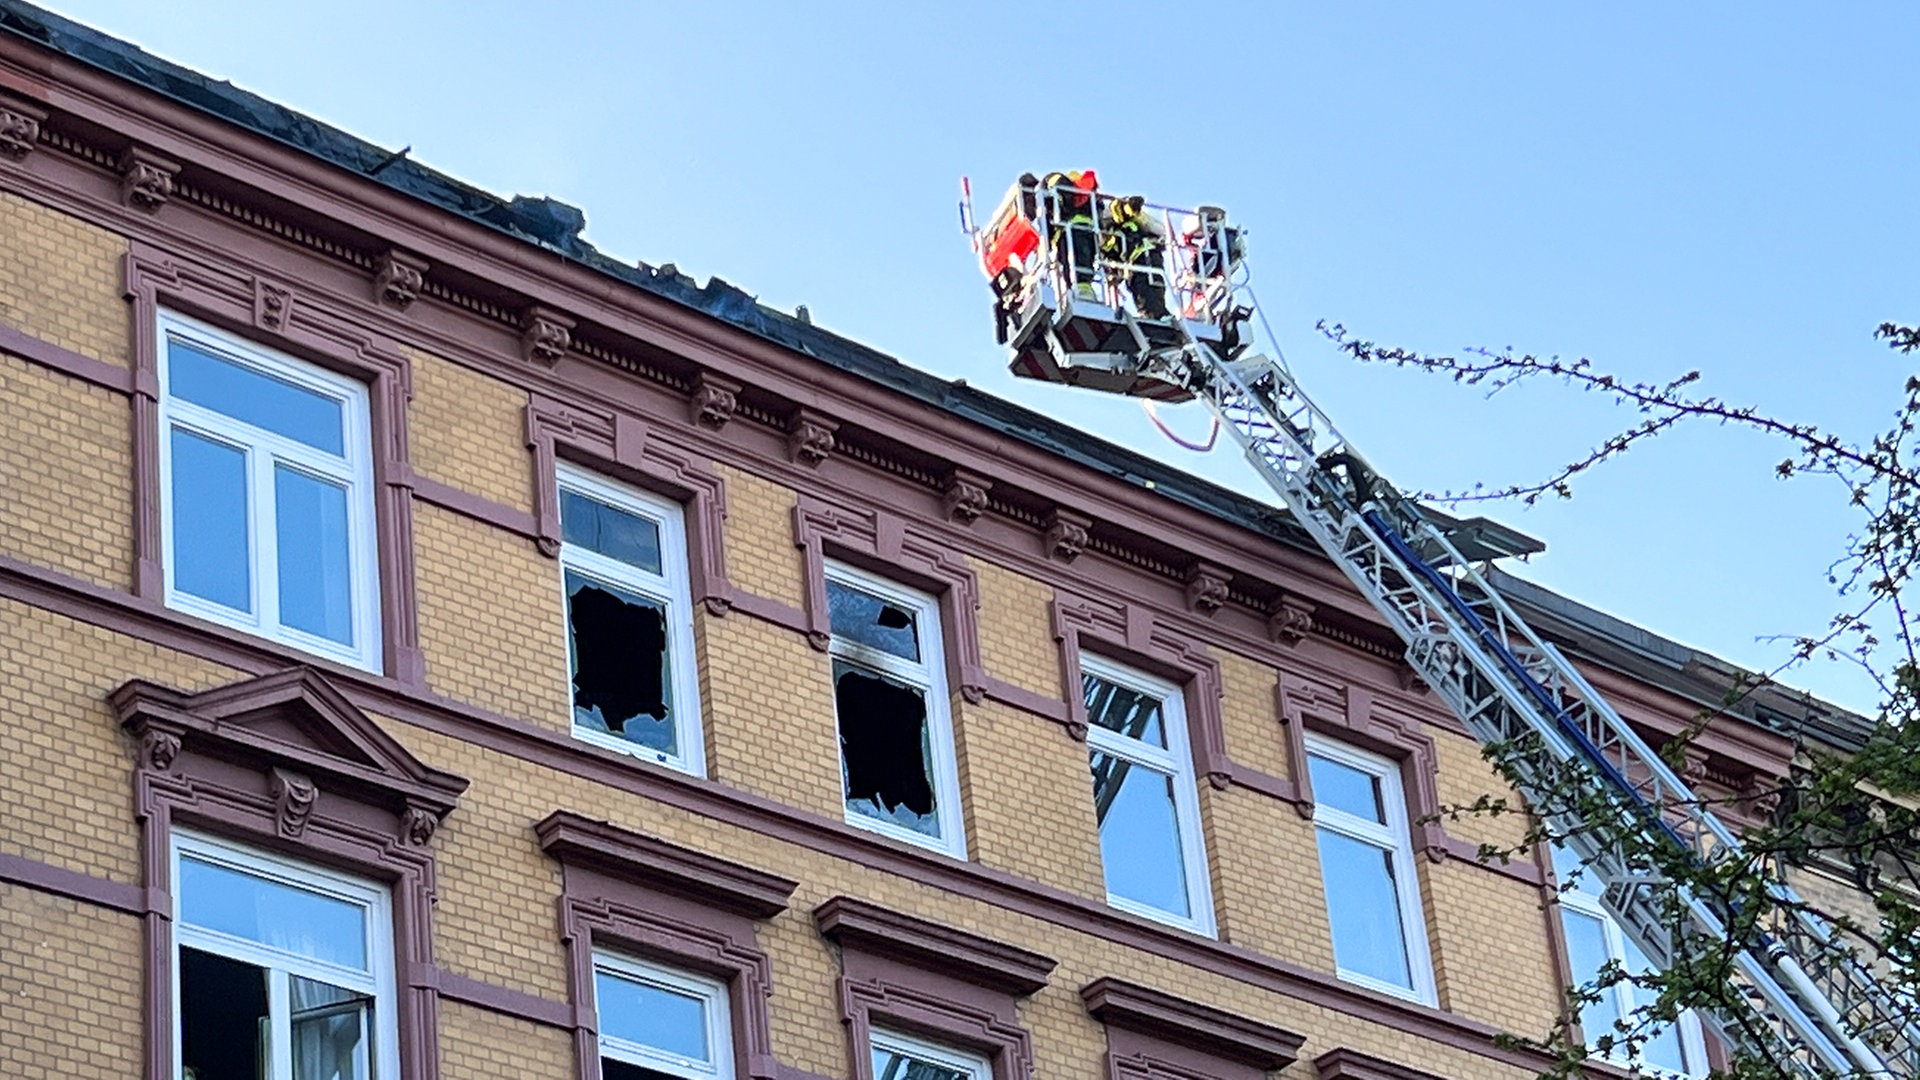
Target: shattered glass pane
[1139, 834]
[884, 751]
[223, 1016]
[619, 651]
[591, 524]
[1119, 709]
[862, 617]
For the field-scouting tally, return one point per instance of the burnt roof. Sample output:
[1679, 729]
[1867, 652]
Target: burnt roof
[556, 227]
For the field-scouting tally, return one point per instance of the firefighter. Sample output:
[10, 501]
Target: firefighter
[1072, 196]
[1136, 245]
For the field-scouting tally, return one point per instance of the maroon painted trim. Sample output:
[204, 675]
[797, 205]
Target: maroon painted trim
[500, 999]
[1347, 715]
[479, 508]
[116, 611]
[73, 884]
[581, 841]
[982, 961]
[1132, 634]
[1052, 708]
[283, 762]
[638, 895]
[228, 291]
[894, 974]
[782, 615]
[66, 361]
[1213, 1032]
[1342, 1063]
[889, 544]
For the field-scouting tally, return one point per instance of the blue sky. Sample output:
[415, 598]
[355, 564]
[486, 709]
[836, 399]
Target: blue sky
[1660, 187]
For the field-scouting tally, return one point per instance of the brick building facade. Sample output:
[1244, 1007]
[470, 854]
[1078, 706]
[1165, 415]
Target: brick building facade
[435, 650]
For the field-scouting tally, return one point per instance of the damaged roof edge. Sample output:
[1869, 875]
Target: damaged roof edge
[556, 226]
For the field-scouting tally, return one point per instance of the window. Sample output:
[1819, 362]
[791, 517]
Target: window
[897, 1057]
[1593, 940]
[1366, 864]
[266, 497]
[623, 563]
[656, 1022]
[284, 971]
[1144, 796]
[890, 695]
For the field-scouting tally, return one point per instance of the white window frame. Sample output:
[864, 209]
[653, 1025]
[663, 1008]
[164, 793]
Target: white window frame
[671, 589]
[377, 982]
[930, 676]
[1394, 839]
[1174, 761]
[354, 471]
[712, 994]
[1693, 1047]
[973, 1066]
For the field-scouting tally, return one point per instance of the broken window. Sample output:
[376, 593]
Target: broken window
[1144, 797]
[629, 633]
[285, 972]
[900, 1057]
[889, 693]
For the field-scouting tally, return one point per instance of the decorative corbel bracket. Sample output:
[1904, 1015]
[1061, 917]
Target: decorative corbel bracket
[1066, 535]
[19, 127]
[1289, 619]
[398, 278]
[545, 335]
[146, 179]
[713, 401]
[810, 437]
[1207, 588]
[965, 497]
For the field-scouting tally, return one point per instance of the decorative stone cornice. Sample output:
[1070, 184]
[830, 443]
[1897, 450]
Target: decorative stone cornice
[398, 278]
[713, 400]
[965, 496]
[1211, 1031]
[810, 437]
[1065, 537]
[545, 335]
[146, 179]
[1341, 1063]
[982, 961]
[19, 127]
[1207, 587]
[715, 882]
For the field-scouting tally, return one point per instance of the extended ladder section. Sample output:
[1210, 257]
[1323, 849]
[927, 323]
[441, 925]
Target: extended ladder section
[1169, 318]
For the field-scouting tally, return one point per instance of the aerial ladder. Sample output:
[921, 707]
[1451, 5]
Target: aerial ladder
[1163, 311]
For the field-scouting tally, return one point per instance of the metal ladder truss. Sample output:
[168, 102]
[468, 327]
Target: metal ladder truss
[1810, 1005]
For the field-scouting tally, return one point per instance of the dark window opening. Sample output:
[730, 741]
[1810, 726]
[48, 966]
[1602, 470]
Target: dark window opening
[883, 748]
[619, 662]
[223, 1018]
[620, 1070]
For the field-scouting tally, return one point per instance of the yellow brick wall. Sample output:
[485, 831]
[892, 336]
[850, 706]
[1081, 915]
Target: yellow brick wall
[1249, 714]
[60, 280]
[66, 770]
[1027, 784]
[479, 1045]
[761, 557]
[70, 980]
[1464, 776]
[1265, 862]
[469, 431]
[1016, 631]
[1492, 955]
[508, 795]
[769, 712]
[66, 480]
[491, 621]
